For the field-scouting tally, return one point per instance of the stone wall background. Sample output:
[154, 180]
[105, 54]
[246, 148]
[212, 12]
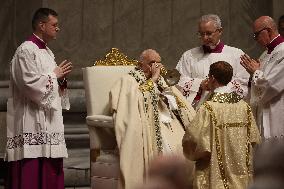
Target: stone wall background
[89, 28]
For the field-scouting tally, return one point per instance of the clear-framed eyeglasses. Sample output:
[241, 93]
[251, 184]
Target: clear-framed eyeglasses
[208, 34]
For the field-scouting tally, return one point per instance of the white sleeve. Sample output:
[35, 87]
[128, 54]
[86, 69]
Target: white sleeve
[36, 86]
[267, 86]
[240, 79]
[188, 85]
[65, 102]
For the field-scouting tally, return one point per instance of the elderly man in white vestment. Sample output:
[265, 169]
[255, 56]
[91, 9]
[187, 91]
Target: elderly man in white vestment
[222, 135]
[194, 63]
[267, 83]
[35, 131]
[149, 119]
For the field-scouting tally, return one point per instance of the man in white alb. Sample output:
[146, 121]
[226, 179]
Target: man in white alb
[194, 63]
[267, 83]
[38, 92]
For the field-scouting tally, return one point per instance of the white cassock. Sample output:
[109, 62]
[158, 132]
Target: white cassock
[194, 68]
[267, 93]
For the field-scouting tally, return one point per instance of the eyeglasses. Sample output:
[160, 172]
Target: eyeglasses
[256, 34]
[208, 34]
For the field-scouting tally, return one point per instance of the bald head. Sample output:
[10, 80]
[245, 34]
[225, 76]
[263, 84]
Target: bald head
[149, 54]
[265, 30]
[266, 22]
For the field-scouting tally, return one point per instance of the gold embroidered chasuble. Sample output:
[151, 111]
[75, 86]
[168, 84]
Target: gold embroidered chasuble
[220, 139]
[140, 133]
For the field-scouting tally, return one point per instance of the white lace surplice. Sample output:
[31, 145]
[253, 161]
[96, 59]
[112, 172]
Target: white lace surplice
[34, 110]
[194, 67]
[267, 93]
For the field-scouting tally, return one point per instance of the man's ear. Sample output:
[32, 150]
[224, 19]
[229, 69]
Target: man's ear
[214, 82]
[41, 26]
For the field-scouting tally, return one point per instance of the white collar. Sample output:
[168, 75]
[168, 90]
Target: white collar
[214, 46]
[223, 89]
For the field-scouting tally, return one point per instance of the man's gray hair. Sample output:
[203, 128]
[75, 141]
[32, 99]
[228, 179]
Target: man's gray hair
[213, 18]
[146, 53]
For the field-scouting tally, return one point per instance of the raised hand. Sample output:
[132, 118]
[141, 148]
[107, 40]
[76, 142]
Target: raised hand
[204, 85]
[64, 68]
[156, 71]
[250, 64]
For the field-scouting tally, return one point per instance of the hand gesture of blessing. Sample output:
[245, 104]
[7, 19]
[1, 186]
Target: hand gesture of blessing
[64, 68]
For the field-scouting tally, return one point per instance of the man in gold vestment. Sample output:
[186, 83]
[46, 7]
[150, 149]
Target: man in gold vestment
[222, 135]
[149, 119]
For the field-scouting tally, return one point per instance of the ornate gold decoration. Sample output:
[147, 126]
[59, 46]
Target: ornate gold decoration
[147, 86]
[141, 79]
[116, 58]
[218, 145]
[164, 71]
[180, 103]
[248, 150]
[227, 125]
[225, 97]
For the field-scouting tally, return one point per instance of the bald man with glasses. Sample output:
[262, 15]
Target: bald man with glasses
[267, 79]
[194, 63]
